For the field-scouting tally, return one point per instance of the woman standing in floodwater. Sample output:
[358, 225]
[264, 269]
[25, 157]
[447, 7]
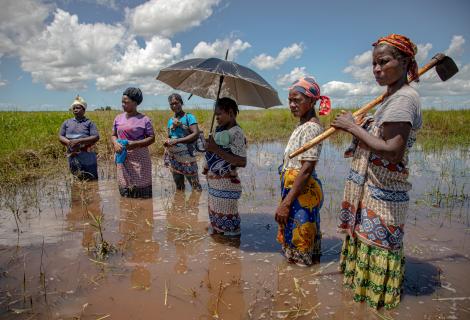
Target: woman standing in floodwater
[376, 198]
[298, 214]
[132, 134]
[79, 134]
[179, 153]
[225, 152]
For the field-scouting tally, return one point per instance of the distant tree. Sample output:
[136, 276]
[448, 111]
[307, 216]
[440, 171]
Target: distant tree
[108, 108]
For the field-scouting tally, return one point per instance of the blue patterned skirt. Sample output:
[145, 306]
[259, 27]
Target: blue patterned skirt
[224, 192]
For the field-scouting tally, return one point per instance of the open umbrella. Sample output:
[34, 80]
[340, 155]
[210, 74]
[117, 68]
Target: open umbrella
[211, 78]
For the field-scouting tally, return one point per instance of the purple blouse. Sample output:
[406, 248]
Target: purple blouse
[134, 128]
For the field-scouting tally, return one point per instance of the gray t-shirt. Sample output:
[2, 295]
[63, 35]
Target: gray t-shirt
[402, 106]
[75, 129]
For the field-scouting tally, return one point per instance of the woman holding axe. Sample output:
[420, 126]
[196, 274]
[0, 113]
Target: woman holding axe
[375, 202]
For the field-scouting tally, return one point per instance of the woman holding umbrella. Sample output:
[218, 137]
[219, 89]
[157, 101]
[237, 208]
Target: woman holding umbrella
[376, 197]
[298, 214]
[132, 134]
[180, 154]
[225, 152]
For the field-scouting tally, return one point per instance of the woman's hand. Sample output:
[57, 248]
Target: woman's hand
[282, 214]
[211, 146]
[170, 142]
[176, 123]
[344, 121]
[117, 147]
[131, 145]
[73, 143]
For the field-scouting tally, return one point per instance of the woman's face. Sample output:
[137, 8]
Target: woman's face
[223, 117]
[175, 105]
[78, 111]
[299, 103]
[128, 105]
[387, 69]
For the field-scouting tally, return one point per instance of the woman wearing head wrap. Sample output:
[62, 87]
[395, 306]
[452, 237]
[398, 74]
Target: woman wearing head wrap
[132, 134]
[180, 154]
[376, 197]
[79, 134]
[298, 214]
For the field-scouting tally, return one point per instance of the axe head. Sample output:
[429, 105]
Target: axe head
[446, 68]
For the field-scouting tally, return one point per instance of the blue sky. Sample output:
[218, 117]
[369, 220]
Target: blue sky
[50, 51]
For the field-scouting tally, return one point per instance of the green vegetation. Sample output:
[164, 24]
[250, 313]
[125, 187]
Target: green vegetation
[30, 148]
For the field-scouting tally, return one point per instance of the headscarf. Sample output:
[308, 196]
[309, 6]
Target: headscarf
[79, 101]
[406, 46]
[309, 87]
[134, 94]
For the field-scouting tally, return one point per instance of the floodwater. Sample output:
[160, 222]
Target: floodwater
[165, 266]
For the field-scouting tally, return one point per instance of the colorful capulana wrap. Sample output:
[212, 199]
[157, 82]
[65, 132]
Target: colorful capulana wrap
[309, 87]
[406, 46]
[301, 236]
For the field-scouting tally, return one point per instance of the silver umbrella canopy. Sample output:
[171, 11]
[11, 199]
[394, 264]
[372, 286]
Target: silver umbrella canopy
[213, 78]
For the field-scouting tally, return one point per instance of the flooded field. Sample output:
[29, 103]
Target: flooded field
[163, 265]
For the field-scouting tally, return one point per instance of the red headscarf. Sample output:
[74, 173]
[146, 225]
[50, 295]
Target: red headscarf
[406, 46]
[309, 87]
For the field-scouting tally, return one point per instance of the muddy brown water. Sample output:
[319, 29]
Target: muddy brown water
[166, 267]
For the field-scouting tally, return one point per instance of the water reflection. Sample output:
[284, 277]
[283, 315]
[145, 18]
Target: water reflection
[208, 276]
[184, 230]
[85, 201]
[140, 249]
[224, 279]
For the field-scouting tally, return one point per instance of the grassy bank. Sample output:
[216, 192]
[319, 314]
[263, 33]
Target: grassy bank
[29, 147]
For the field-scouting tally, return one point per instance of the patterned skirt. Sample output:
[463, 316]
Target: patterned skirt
[224, 192]
[374, 274]
[301, 236]
[135, 174]
[180, 160]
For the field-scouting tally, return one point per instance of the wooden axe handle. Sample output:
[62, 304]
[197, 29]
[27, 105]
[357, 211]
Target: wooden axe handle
[364, 109]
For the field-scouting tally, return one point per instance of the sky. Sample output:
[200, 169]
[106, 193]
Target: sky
[50, 51]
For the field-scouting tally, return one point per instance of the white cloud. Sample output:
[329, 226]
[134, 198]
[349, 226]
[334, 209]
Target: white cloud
[264, 61]
[20, 21]
[67, 54]
[167, 17]
[360, 66]
[345, 89]
[218, 49]
[362, 59]
[140, 65]
[456, 47]
[423, 51]
[108, 3]
[287, 79]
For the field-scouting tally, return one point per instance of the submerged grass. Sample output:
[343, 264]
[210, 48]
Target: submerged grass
[30, 148]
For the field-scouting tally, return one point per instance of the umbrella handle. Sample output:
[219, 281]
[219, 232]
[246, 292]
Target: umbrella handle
[218, 95]
[221, 80]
